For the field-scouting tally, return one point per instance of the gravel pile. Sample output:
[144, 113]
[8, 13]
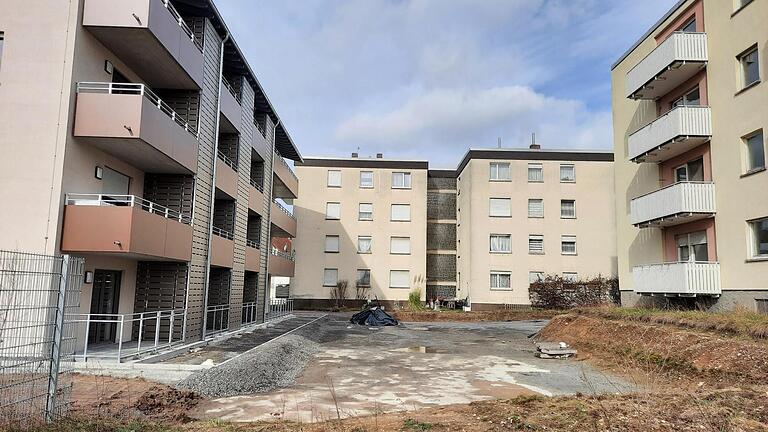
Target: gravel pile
[272, 365]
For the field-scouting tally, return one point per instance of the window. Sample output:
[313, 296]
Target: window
[536, 244]
[535, 173]
[750, 66]
[761, 305]
[571, 277]
[501, 243]
[363, 278]
[759, 229]
[535, 208]
[365, 212]
[535, 276]
[692, 246]
[692, 171]
[755, 149]
[568, 209]
[364, 244]
[400, 245]
[500, 171]
[568, 245]
[500, 207]
[692, 98]
[366, 179]
[401, 213]
[334, 178]
[501, 281]
[399, 279]
[567, 173]
[331, 244]
[330, 277]
[401, 180]
[333, 210]
[689, 26]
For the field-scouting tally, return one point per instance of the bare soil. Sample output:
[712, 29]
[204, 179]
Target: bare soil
[460, 316]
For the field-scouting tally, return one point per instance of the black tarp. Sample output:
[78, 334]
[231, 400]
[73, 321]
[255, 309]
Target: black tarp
[373, 317]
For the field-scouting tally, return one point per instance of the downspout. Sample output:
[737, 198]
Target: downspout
[213, 188]
[267, 284]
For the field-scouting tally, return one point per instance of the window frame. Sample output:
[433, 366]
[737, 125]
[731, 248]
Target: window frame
[338, 243]
[392, 271]
[754, 245]
[562, 202]
[566, 276]
[328, 179]
[536, 237]
[743, 68]
[392, 213]
[499, 178]
[497, 274]
[327, 207]
[392, 240]
[325, 272]
[357, 278]
[360, 212]
[748, 169]
[540, 167]
[360, 179]
[573, 169]
[490, 207]
[405, 175]
[501, 252]
[567, 239]
[370, 244]
[533, 215]
[541, 276]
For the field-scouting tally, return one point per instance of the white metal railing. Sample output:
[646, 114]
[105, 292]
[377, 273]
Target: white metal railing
[136, 89]
[252, 243]
[183, 25]
[285, 164]
[224, 158]
[126, 201]
[149, 332]
[284, 209]
[678, 47]
[672, 200]
[223, 233]
[290, 256]
[217, 319]
[279, 308]
[249, 312]
[255, 183]
[231, 89]
[682, 121]
[679, 278]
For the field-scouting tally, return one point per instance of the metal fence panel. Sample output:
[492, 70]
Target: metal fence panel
[36, 293]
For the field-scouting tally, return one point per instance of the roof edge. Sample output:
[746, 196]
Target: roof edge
[658, 24]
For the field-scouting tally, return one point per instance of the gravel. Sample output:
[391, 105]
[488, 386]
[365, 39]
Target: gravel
[273, 365]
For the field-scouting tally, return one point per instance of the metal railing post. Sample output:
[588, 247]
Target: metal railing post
[87, 334]
[120, 339]
[157, 329]
[141, 331]
[58, 334]
[170, 327]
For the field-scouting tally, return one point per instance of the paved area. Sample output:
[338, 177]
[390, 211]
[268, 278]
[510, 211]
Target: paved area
[359, 370]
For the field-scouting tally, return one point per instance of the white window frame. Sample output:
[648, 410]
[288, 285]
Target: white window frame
[571, 277]
[331, 179]
[536, 276]
[392, 213]
[562, 213]
[533, 214]
[536, 238]
[509, 207]
[406, 179]
[533, 167]
[568, 239]
[370, 244]
[357, 280]
[742, 58]
[502, 237]
[360, 212]
[328, 207]
[564, 179]
[396, 251]
[748, 168]
[495, 281]
[495, 172]
[401, 272]
[753, 238]
[330, 271]
[338, 244]
[366, 186]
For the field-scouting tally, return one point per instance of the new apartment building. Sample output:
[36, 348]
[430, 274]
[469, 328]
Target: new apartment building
[136, 135]
[482, 231]
[689, 115]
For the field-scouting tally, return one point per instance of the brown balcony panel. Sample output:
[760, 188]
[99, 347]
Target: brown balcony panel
[281, 266]
[126, 231]
[131, 128]
[287, 185]
[252, 259]
[231, 109]
[222, 251]
[226, 178]
[148, 38]
[285, 224]
[256, 200]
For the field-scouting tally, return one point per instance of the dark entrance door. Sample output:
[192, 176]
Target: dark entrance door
[104, 300]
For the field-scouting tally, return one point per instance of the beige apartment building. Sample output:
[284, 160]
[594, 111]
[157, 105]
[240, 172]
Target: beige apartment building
[483, 231]
[136, 135]
[690, 115]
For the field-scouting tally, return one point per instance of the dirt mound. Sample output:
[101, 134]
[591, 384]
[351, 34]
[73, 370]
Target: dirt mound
[167, 404]
[458, 316]
[663, 349]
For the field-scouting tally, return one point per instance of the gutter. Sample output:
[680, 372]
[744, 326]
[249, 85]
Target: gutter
[269, 221]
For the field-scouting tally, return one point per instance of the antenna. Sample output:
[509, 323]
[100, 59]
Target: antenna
[533, 138]
[499, 142]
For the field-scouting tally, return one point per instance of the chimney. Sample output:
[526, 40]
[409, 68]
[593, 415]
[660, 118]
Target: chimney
[534, 146]
[354, 155]
[379, 155]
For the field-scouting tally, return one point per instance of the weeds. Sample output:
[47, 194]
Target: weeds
[410, 424]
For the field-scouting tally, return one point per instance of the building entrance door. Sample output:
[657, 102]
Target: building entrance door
[104, 302]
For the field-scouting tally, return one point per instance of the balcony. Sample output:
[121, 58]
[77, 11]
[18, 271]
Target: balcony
[151, 38]
[125, 225]
[673, 62]
[670, 135]
[673, 205]
[226, 175]
[222, 248]
[130, 122]
[283, 221]
[252, 256]
[256, 197]
[281, 263]
[286, 183]
[683, 279]
[230, 105]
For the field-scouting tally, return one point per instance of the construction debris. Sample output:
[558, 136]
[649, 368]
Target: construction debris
[554, 350]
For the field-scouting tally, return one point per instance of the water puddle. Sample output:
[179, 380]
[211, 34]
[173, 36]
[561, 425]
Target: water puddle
[422, 350]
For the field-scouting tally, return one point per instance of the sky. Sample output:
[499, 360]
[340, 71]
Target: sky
[428, 79]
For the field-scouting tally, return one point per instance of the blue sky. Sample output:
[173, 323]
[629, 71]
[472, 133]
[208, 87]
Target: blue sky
[428, 79]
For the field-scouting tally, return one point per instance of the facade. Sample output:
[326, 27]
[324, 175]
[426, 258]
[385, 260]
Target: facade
[136, 135]
[689, 114]
[481, 231]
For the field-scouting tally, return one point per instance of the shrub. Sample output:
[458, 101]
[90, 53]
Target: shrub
[339, 293]
[555, 292]
[414, 300]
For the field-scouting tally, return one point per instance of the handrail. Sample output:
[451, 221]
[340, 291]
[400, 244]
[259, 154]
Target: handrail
[673, 110]
[224, 158]
[252, 243]
[184, 27]
[279, 308]
[249, 312]
[672, 185]
[231, 89]
[290, 256]
[223, 233]
[670, 38]
[283, 209]
[258, 125]
[136, 89]
[255, 183]
[676, 262]
[126, 201]
[222, 311]
[290, 170]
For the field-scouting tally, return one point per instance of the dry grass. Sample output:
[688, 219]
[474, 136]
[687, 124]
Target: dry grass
[475, 316]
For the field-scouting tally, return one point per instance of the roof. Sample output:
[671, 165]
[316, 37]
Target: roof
[535, 154]
[350, 162]
[235, 60]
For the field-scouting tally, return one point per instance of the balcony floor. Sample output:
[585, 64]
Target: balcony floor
[671, 149]
[673, 220]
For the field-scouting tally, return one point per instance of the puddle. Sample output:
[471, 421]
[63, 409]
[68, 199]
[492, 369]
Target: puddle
[422, 350]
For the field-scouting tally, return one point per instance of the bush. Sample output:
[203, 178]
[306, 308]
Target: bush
[555, 292]
[414, 300]
[339, 293]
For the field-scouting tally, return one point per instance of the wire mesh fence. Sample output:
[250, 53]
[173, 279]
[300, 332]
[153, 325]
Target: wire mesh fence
[36, 293]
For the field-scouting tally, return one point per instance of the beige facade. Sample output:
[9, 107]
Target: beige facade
[689, 115]
[331, 185]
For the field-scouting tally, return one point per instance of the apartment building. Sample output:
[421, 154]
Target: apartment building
[689, 116]
[482, 231]
[136, 135]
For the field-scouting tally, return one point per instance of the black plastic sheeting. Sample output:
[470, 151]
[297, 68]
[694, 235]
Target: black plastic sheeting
[373, 317]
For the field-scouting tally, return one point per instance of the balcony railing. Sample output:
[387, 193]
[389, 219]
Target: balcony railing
[290, 170]
[290, 256]
[673, 133]
[126, 201]
[231, 89]
[184, 27]
[279, 308]
[284, 209]
[673, 204]
[673, 62]
[136, 89]
[685, 279]
[258, 125]
[223, 233]
[252, 243]
[249, 312]
[255, 183]
[224, 158]
[217, 319]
